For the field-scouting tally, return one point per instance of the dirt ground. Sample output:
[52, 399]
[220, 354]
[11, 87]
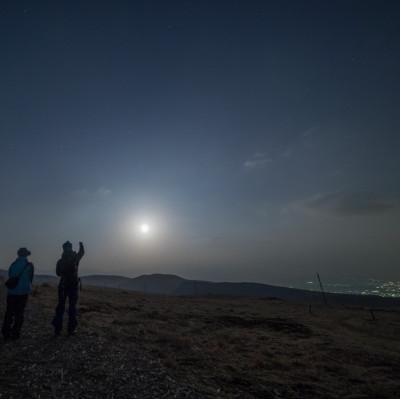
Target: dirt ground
[135, 345]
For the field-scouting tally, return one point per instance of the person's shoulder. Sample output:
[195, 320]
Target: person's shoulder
[12, 265]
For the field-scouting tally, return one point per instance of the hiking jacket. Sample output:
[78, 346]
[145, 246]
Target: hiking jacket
[67, 266]
[25, 280]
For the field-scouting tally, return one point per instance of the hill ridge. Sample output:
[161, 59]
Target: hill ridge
[175, 285]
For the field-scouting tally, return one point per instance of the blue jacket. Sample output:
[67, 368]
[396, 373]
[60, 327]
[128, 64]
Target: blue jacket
[25, 281]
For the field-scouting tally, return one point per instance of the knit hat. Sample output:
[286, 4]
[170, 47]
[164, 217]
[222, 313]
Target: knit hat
[67, 245]
[23, 252]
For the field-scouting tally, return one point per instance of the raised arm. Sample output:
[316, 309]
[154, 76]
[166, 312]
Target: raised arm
[81, 252]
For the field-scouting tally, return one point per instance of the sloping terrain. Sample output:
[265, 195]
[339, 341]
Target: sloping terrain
[167, 284]
[136, 345]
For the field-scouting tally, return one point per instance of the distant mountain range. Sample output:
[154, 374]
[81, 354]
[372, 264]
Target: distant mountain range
[166, 284]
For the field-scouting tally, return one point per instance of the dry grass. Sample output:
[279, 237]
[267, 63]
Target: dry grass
[133, 345]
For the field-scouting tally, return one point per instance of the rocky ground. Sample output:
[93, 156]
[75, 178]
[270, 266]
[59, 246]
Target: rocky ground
[133, 345]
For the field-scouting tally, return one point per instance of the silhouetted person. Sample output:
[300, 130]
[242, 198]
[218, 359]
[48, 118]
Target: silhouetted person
[21, 274]
[67, 269]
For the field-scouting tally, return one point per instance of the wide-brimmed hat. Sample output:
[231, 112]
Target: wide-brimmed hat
[23, 252]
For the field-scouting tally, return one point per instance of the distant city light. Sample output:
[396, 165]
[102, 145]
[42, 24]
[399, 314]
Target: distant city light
[371, 287]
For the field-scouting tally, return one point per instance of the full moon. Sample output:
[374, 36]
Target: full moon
[144, 228]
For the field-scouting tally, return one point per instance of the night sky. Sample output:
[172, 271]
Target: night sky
[259, 140]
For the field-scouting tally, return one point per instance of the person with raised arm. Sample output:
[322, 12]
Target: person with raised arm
[67, 270]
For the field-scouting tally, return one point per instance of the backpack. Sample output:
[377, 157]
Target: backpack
[12, 283]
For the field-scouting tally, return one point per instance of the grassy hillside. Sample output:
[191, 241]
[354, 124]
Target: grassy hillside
[136, 345]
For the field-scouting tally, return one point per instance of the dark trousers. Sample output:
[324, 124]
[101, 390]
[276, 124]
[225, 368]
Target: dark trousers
[14, 316]
[64, 292]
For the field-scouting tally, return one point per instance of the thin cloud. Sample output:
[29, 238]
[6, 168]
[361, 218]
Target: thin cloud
[302, 140]
[103, 192]
[310, 131]
[258, 160]
[353, 203]
[100, 193]
[287, 153]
